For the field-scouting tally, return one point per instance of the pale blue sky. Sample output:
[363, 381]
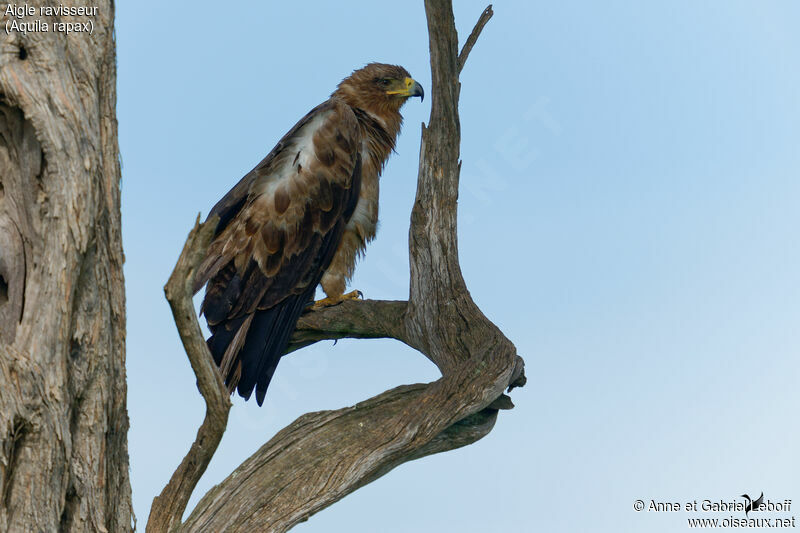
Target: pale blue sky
[628, 216]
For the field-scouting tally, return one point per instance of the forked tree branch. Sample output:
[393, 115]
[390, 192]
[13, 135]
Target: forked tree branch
[473, 37]
[323, 456]
[169, 506]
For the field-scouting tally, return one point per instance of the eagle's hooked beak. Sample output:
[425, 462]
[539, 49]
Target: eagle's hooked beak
[411, 88]
[416, 89]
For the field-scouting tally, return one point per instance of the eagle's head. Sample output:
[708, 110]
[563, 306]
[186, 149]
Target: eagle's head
[379, 88]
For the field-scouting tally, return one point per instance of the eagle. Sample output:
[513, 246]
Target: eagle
[299, 219]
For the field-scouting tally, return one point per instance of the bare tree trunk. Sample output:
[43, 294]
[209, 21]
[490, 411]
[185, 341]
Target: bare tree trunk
[323, 456]
[63, 421]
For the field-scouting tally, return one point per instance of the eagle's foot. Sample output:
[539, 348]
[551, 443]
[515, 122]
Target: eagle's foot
[330, 301]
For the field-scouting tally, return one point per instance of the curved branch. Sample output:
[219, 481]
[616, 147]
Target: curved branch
[320, 458]
[362, 319]
[169, 506]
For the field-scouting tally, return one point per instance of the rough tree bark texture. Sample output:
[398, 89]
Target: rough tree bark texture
[323, 456]
[63, 421]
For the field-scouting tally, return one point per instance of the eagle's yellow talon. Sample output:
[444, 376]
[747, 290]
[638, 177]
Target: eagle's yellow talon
[336, 300]
[353, 295]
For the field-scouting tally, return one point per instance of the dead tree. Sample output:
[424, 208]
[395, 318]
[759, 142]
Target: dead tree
[63, 421]
[323, 456]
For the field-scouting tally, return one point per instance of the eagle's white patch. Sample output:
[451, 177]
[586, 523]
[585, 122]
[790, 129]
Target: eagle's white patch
[302, 142]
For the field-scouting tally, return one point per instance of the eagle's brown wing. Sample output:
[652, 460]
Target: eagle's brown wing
[279, 228]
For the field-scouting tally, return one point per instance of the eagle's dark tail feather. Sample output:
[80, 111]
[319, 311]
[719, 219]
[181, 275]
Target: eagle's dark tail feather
[221, 336]
[267, 337]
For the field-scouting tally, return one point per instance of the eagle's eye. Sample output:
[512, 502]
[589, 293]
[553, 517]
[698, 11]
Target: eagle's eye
[384, 82]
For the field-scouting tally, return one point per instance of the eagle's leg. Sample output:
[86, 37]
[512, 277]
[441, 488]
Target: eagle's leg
[340, 270]
[335, 300]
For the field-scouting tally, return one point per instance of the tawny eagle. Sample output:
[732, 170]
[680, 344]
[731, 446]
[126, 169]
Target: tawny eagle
[299, 218]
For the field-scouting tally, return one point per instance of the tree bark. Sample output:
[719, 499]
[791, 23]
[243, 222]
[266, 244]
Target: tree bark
[321, 457]
[63, 420]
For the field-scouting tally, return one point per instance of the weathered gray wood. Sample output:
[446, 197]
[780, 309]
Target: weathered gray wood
[169, 506]
[473, 37]
[323, 456]
[63, 421]
[361, 319]
[19, 162]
